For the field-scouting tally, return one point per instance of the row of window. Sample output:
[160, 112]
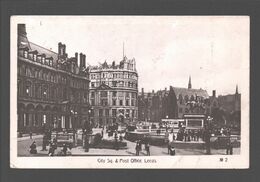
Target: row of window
[191, 98]
[51, 77]
[115, 94]
[46, 92]
[126, 113]
[115, 102]
[186, 110]
[29, 119]
[38, 58]
[113, 75]
[115, 84]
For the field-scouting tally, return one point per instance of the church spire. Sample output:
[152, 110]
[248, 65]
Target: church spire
[236, 89]
[189, 85]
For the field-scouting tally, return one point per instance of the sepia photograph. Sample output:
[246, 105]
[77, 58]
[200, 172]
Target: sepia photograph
[129, 92]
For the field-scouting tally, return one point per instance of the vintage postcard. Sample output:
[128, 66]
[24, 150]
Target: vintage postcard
[144, 92]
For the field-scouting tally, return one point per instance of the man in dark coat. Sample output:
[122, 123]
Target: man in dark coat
[147, 148]
[137, 148]
[229, 147]
[64, 149]
[44, 143]
[86, 143]
[33, 149]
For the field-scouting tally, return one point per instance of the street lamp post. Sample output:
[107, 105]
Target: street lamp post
[208, 135]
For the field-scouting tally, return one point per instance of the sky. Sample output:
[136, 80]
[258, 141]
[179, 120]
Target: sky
[213, 50]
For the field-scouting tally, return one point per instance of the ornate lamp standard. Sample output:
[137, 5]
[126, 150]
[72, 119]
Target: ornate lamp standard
[208, 134]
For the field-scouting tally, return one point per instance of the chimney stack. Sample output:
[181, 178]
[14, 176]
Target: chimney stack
[59, 48]
[142, 91]
[214, 93]
[80, 59]
[84, 61]
[76, 56]
[62, 50]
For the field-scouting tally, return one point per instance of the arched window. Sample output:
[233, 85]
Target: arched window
[192, 97]
[38, 90]
[36, 74]
[48, 76]
[20, 86]
[40, 74]
[44, 92]
[28, 89]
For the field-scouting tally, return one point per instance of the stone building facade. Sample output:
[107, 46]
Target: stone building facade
[52, 89]
[113, 92]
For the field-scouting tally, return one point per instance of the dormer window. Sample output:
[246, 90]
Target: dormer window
[25, 54]
[51, 61]
[43, 60]
[34, 57]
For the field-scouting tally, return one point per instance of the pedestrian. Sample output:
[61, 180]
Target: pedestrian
[172, 150]
[185, 135]
[189, 135]
[173, 137]
[169, 147]
[30, 134]
[121, 138]
[137, 148]
[147, 148]
[52, 149]
[44, 143]
[196, 137]
[229, 147]
[102, 132]
[64, 149]
[54, 140]
[193, 135]
[86, 144]
[33, 149]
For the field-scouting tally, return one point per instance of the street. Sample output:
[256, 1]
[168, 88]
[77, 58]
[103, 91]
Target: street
[24, 146]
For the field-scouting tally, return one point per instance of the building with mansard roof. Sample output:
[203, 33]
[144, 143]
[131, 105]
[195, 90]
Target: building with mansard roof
[52, 88]
[113, 92]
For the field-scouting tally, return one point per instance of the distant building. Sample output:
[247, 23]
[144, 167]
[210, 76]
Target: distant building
[230, 102]
[113, 92]
[166, 104]
[52, 89]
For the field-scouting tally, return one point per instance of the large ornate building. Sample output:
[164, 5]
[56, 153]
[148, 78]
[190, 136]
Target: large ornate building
[52, 89]
[172, 103]
[113, 92]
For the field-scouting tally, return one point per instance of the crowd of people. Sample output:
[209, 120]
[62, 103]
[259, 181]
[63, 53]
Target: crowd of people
[188, 135]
